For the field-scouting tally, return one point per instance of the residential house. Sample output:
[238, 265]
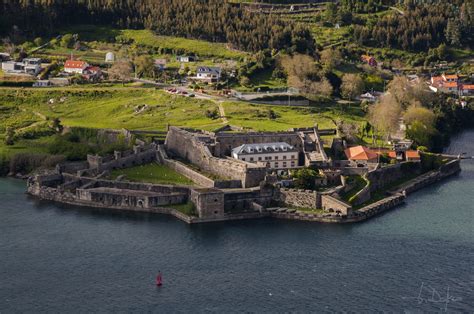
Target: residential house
[75, 66]
[368, 97]
[361, 155]
[278, 155]
[409, 155]
[209, 74]
[160, 64]
[369, 60]
[450, 84]
[466, 89]
[4, 56]
[186, 59]
[42, 83]
[28, 66]
[92, 73]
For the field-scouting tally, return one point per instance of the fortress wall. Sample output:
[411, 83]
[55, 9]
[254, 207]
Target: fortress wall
[246, 200]
[225, 142]
[382, 177]
[139, 158]
[128, 200]
[329, 203]
[188, 146]
[158, 188]
[72, 167]
[300, 198]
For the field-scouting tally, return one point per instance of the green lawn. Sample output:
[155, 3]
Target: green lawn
[358, 184]
[182, 45]
[152, 173]
[114, 108]
[253, 116]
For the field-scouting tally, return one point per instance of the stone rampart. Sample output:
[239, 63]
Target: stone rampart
[243, 200]
[225, 142]
[193, 148]
[300, 198]
[384, 176]
[332, 204]
[124, 160]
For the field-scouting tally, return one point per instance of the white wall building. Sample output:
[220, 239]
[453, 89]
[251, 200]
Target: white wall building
[28, 65]
[276, 155]
[75, 66]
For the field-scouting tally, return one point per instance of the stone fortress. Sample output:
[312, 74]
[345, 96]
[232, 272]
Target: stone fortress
[226, 188]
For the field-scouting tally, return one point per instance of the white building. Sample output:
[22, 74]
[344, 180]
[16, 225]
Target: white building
[209, 74]
[276, 155]
[186, 59]
[109, 57]
[28, 65]
[75, 66]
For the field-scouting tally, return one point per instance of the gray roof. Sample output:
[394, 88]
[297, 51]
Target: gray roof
[211, 70]
[264, 148]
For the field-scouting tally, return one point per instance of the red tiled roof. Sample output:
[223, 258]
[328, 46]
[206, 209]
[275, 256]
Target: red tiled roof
[360, 153]
[413, 154]
[468, 87]
[450, 84]
[451, 76]
[74, 64]
[392, 154]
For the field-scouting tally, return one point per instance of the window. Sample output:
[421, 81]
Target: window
[259, 158]
[276, 165]
[251, 158]
[284, 157]
[276, 157]
[292, 156]
[243, 159]
[284, 164]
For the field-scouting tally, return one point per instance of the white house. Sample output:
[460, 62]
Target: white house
[75, 66]
[277, 155]
[28, 65]
[186, 59]
[42, 83]
[208, 74]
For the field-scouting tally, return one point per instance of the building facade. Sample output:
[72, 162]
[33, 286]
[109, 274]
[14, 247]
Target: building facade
[274, 155]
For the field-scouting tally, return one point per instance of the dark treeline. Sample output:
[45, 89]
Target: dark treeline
[213, 20]
[422, 26]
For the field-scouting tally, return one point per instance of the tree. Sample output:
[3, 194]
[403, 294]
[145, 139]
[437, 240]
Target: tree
[144, 65]
[416, 113]
[121, 70]
[38, 41]
[67, 41]
[453, 32]
[9, 136]
[331, 58]
[352, 86]
[305, 178]
[385, 114]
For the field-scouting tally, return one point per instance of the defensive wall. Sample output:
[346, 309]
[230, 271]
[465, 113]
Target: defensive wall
[192, 147]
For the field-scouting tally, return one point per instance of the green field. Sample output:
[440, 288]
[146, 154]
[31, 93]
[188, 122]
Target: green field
[252, 116]
[183, 45]
[152, 173]
[31, 111]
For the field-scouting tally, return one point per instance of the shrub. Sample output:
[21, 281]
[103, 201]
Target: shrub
[27, 162]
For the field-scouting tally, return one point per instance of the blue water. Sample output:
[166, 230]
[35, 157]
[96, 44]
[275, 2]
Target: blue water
[56, 258]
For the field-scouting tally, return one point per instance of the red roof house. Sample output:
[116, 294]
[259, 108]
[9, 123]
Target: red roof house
[75, 66]
[361, 154]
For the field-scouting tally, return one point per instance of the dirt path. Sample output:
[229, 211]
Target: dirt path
[222, 113]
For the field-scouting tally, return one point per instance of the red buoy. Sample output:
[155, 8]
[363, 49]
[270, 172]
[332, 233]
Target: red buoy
[159, 279]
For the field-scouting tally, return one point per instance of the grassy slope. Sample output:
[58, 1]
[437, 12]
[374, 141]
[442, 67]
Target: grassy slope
[114, 107]
[255, 116]
[152, 173]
